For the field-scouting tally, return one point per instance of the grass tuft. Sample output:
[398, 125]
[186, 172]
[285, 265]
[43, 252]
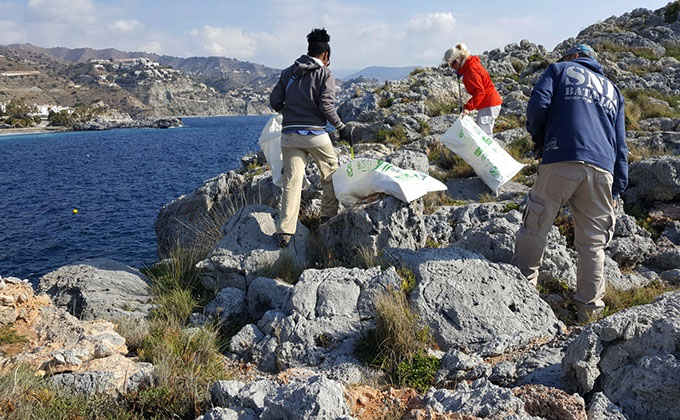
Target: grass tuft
[616, 300]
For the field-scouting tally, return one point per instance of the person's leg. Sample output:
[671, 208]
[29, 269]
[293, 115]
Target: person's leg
[553, 187]
[486, 118]
[327, 161]
[293, 172]
[593, 211]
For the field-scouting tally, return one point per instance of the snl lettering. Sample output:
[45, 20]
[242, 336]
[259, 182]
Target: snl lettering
[583, 84]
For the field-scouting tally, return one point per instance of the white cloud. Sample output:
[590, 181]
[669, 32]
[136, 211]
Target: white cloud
[62, 11]
[226, 41]
[11, 32]
[152, 47]
[438, 22]
[125, 26]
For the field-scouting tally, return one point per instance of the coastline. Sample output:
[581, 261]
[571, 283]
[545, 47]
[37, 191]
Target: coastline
[31, 130]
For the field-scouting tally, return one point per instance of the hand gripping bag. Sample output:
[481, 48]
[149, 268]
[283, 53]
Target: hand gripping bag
[362, 177]
[490, 161]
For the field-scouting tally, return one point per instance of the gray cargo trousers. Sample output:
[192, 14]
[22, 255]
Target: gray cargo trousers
[587, 189]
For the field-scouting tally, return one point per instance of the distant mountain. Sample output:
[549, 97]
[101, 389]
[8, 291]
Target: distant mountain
[376, 72]
[221, 73]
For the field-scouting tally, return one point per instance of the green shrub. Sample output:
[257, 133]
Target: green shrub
[398, 345]
[386, 102]
[510, 206]
[395, 136]
[424, 127]
[639, 106]
[417, 70]
[616, 300]
[408, 279]
[517, 64]
[507, 122]
[671, 12]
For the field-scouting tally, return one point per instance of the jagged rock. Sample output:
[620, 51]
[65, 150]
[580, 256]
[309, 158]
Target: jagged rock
[672, 232]
[671, 276]
[195, 220]
[668, 259]
[99, 288]
[325, 314]
[631, 357]
[480, 398]
[316, 397]
[472, 304]
[439, 225]
[265, 294]
[87, 355]
[456, 366]
[110, 375]
[504, 138]
[407, 158]
[229, 305]
[631, 244]
[551, 403]
[219, 413]
[653, 179]
[248, 247]
[601, 408]
[373, 227]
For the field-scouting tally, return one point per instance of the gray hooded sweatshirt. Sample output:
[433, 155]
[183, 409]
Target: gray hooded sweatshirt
[309, 101]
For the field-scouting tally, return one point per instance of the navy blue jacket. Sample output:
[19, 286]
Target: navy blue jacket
[579, 115]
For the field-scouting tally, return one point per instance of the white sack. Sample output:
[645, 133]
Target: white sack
[270, 143]
[489, 160]
[362, 177]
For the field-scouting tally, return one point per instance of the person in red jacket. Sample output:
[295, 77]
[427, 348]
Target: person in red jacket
[485, 98]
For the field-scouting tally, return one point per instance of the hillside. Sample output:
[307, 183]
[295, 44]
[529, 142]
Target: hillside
[131, 82]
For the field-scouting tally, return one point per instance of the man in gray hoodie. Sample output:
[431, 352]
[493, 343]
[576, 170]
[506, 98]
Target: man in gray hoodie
[305, 95]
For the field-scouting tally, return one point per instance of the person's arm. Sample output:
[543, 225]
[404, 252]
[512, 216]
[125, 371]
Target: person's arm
[327, 101]
[278, 95]
[621, 163]
[539, 104]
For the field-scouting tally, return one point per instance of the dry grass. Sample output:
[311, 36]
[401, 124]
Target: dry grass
[436, 199]
[616, 300]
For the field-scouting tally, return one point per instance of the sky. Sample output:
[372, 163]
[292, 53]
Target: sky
[272, 32]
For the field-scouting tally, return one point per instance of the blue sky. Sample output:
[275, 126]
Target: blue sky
[363, 33]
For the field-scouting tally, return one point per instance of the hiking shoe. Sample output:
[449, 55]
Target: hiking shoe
[284, 239]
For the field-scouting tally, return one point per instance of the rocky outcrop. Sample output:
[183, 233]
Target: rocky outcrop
[248, 248]
[474, 305]
[87, 356]
[653, 179]
[370, 228]
[632, 357]
[316, 397]
[99, 289]
[102, 123]
[325, 314]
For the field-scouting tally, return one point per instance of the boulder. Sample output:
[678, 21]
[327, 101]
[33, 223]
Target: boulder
[475, 305]
[110, 375]
[316, 397]
[99, 288]
[265, 294]
[325, 314]
[550, 403]
[388, 222]
[248, 248]
[601, 408]
[632, 357]
[631, 244]
[653, 179]
[229, 305]
[480, 398]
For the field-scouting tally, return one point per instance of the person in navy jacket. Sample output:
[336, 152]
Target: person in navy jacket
[576, 118]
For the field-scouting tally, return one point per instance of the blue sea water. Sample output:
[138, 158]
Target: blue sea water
[117, 180]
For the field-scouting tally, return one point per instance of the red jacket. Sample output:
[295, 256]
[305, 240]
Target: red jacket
[478, 84]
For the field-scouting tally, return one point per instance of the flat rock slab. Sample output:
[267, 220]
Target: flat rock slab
[99, 288]
[475, 305]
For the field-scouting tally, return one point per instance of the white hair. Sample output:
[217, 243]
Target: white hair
[453, 53]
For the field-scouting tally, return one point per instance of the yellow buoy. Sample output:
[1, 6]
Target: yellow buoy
[75, 211]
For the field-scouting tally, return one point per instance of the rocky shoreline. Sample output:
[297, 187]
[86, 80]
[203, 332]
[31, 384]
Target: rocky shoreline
[390, 310]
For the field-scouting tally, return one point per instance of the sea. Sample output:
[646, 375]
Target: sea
[70, 196]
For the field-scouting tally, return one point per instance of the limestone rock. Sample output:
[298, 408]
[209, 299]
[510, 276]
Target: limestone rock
[99, 288]
[631, 357]
[475, 305]
[387, 222]
[653, 179]
[544, 402]
[248, 247]
[601, 408]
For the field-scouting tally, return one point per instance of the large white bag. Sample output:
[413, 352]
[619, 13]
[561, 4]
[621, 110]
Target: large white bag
[362, 177]
[489, 160]
[270, 143]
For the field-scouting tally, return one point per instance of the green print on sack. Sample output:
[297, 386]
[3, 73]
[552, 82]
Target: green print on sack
[461, 133]
[350, 171]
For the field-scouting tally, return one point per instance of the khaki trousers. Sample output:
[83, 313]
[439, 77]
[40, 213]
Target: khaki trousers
[294, 162]
[587, 189]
